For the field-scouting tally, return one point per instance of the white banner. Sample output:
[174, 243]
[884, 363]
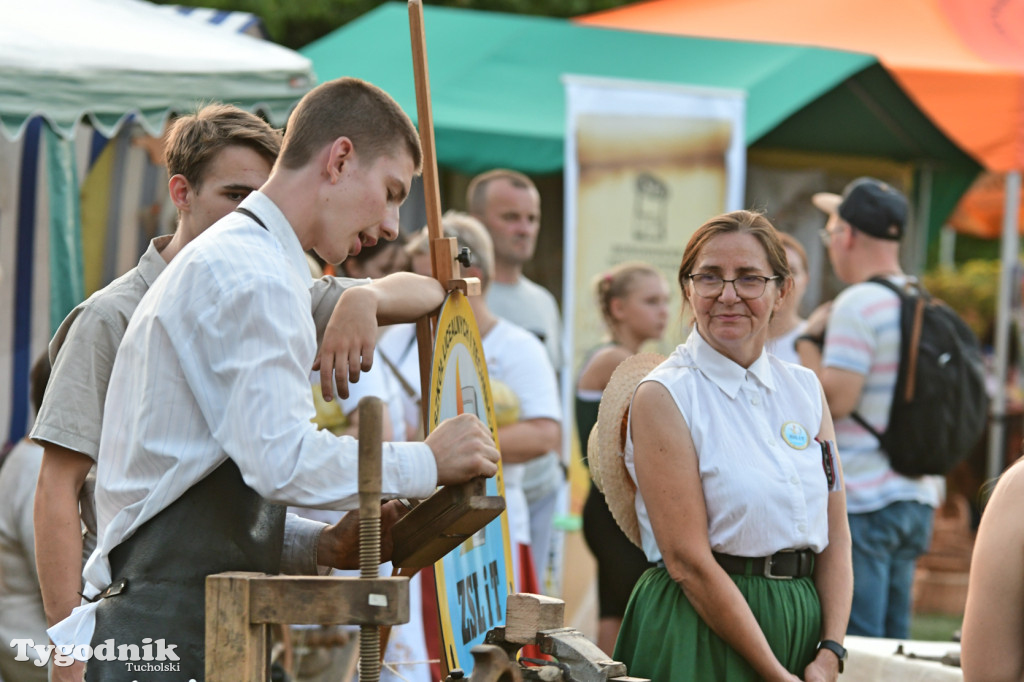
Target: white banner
[645, 165]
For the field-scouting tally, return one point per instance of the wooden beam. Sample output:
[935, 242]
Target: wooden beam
[527, 614]
[236, 647]
[442, 522]
[329, 600]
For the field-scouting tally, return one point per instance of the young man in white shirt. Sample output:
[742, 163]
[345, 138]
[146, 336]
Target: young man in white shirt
[207, 417]
[215, 157]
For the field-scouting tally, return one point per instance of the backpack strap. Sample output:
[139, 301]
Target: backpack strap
[915, 340]
[904, 290]
[855, 416]
[915, 343]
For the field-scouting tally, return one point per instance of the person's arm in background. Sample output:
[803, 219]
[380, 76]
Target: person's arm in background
[842, 387]
[833, 571]
[993, 629]
[68, 428]
[668, 478]
[529, 375]
[529, 438]
[57, 522]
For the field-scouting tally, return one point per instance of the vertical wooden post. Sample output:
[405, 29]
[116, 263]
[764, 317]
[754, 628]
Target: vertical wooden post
[442, 250]
[236, 648]
[425, 120]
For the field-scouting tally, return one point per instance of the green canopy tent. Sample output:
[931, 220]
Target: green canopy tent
[498, 98]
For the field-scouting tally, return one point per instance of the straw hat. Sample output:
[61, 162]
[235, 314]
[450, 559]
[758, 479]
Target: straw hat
[608, 440]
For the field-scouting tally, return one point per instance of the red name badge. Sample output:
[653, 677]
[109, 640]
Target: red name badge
[829, 462]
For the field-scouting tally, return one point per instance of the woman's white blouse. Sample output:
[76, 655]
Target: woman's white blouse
[754, 430]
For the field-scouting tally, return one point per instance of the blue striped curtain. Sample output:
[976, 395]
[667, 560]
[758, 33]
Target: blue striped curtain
[52, 253]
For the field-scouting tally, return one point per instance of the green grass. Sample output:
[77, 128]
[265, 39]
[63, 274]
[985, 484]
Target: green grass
[936, 627]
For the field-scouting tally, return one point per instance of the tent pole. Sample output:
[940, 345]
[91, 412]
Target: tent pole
[922, 219]
[947, 247]
[1007, 276]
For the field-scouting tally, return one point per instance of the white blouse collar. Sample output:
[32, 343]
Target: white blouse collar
[723, 372]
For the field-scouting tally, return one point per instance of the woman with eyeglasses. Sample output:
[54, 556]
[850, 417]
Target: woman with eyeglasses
[739, 490]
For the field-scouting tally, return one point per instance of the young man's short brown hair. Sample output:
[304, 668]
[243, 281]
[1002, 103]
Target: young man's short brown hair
[195, 139]
[476, 193]
[352, 108]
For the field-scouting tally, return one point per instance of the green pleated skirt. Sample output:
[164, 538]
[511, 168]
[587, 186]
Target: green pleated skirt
[663, 639]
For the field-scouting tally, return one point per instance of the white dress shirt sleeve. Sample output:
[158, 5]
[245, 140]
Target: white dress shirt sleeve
[247, 359]
[301, 539]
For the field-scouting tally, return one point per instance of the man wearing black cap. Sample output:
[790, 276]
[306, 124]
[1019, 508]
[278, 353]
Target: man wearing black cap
[853, 344]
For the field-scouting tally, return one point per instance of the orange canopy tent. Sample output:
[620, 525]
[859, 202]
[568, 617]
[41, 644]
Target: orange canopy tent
[980, 212]
[961, 61]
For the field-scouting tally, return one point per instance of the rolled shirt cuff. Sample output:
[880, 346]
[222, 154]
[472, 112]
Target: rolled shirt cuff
[298, 553]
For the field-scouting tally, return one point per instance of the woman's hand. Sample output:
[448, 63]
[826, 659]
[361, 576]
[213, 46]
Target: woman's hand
[824, 668]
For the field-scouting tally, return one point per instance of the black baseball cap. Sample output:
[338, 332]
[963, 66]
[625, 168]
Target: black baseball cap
[870, 205]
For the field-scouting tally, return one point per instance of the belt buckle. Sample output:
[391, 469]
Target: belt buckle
[769, 562]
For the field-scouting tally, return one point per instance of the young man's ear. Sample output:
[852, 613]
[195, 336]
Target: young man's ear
[340, 151]
[181, 191]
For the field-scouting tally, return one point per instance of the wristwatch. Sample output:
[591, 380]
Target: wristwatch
[836, 648]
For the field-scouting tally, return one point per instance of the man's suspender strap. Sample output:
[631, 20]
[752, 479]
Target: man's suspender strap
[247, 212]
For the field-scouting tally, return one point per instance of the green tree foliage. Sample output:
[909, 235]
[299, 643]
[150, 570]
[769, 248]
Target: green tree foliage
[297, 23]
[971, 289]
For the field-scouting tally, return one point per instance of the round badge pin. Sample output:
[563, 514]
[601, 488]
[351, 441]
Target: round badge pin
[795, 435]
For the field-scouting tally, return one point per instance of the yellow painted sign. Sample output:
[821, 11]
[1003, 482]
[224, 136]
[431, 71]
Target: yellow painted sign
[474, 581]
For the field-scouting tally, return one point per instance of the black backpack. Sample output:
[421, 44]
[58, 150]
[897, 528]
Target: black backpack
[940, 406]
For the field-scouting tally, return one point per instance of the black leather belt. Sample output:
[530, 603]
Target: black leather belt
[784, 565]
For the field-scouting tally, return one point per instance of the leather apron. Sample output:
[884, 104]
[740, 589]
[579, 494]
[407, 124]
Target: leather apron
[219, 524]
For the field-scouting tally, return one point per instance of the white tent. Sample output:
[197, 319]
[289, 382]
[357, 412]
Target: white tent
[82, 83]
[66, 60]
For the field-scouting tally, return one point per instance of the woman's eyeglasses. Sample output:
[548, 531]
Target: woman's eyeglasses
[746, 287]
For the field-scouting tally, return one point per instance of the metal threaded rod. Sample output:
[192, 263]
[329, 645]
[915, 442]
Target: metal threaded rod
[369, 525]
